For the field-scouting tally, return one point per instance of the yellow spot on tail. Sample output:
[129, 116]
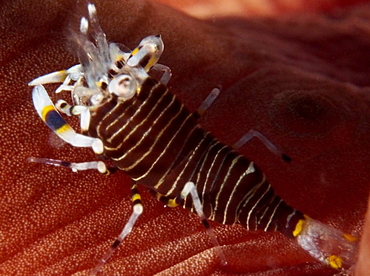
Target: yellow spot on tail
[136, 197]
[335, 261]
[349, 237]
[172, 203]
[299, 227]
[45, 111]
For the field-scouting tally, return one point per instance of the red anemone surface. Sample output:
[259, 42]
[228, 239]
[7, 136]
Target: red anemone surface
[302, 80]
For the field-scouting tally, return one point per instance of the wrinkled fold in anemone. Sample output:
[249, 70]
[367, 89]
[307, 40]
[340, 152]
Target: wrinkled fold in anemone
[302, 80]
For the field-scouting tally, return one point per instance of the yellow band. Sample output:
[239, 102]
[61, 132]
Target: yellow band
[153, 60]
[136, 197]
[45, 111]
[134, 52]
[62, 129]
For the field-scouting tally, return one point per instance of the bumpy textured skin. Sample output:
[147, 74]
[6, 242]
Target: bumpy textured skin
[54, 221]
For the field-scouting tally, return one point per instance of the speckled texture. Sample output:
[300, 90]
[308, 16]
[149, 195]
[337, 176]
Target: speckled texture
[301, 80]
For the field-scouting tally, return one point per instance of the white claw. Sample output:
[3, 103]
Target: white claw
[54, 77]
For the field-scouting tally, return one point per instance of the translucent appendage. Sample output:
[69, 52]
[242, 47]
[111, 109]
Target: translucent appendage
[328, 245]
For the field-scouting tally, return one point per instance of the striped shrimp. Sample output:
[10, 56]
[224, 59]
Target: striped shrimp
[134, 120]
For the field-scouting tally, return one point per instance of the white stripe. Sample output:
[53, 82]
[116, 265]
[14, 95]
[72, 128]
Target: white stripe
[162, 153]
[289, 218]
[268, 205]
[170, 167]
[213, 215]
[186, 165]
[272, 215]
[249, 195]
[153, 145]
[142, 136]
[235, 160]
[249, 170]
[106, 116]
[202, 169]
[254, 206]
[211, 168]
[134, 115]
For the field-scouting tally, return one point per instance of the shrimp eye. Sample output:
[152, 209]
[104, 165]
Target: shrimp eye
[123, 86]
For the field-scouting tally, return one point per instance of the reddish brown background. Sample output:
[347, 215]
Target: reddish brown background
[300, 78]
